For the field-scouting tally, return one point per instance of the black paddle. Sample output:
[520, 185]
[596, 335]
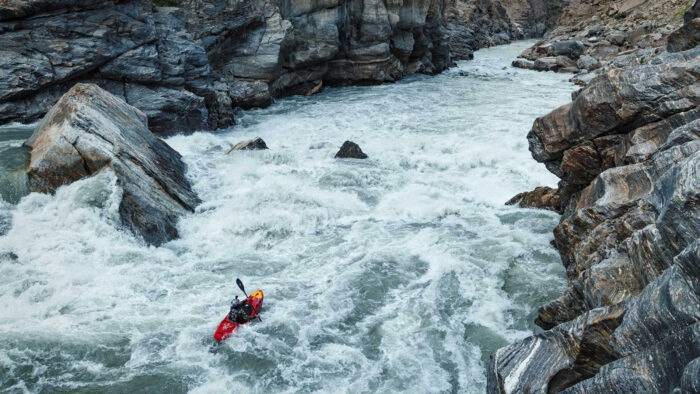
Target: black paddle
[240, 286]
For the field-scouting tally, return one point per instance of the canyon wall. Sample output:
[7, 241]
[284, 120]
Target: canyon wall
[188, 67]
[627, 151]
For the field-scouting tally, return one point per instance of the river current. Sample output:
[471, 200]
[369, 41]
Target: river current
[399, 273]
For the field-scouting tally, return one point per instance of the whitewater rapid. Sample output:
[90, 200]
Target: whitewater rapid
[400, 273]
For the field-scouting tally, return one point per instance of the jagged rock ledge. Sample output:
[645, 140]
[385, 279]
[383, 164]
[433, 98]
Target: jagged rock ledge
[627, 150]
[88, 131]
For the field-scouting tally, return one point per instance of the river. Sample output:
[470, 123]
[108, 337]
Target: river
[399, 273]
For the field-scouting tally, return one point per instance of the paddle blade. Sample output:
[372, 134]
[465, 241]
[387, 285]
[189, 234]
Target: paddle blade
[240, 285]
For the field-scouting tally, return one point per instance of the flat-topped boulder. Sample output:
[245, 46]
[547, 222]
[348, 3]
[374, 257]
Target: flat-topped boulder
[90, 130]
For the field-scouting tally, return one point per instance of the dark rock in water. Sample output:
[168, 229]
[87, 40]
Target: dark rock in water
[256, 143]
[350, 150]
[541, 197]
[570, 48]
[89, 130]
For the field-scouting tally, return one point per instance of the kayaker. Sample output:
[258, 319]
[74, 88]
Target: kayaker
[235, 305]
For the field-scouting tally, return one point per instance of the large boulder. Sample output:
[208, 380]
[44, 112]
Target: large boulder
[90, 130]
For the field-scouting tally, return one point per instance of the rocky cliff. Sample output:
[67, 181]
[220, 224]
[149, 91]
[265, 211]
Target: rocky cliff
[591, 34]
[188, 67]
[627, 150]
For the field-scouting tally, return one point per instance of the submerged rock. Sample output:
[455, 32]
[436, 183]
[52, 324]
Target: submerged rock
[89, 130]
[256, 143]
[350, 150]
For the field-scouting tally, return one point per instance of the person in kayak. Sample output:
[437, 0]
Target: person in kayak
[241, 311]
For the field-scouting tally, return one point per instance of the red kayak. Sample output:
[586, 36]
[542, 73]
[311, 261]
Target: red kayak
[227, 326]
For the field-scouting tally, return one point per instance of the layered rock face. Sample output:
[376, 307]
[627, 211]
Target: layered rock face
[532, 17]
[146, 59]
[627, 150]
[90, 130]
[187, 68]
[475, 24]
[602, 32]
[268, 49]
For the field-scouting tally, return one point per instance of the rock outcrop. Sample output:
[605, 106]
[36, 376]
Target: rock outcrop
[541, 197]
[475, 24]
[147, 59]
[256, 143]
[350, 150]
[627, 150]
[90, 130]
[604, 31]
[187, 68]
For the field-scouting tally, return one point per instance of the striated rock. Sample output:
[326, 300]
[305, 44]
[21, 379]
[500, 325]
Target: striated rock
[89, 130]
[350, 150]
[554, 360]
[541, 197]
[472, 24]
[532, 17]
[149, 60]
[256, 143]
[627, 151]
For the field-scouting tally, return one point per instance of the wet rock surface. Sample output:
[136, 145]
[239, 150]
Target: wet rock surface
[627, 151]
[90, 130]
[256, 143]
[541, 197]
[600, 32]
[187, 68]
[350, 150]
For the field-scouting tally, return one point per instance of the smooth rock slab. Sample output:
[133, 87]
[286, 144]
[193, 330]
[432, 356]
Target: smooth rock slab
[88, 130]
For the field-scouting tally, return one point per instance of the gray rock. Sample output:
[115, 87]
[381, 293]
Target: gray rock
[169, 111]
[350, 150]
[690, 382]
[627, 150]
[523, 63]
[688, 36]
[256, 143]
[588, 62]
[617, 38]
[144, 54]
[570, 48]
[90, 130]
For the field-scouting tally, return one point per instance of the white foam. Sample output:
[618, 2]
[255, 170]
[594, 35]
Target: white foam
[398, 273]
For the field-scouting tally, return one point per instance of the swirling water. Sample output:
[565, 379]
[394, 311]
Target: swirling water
[400, 273]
